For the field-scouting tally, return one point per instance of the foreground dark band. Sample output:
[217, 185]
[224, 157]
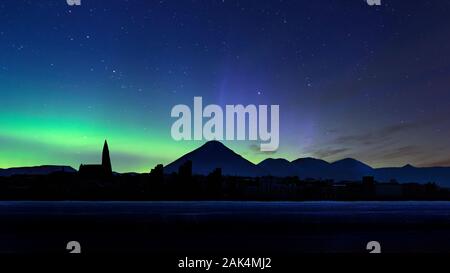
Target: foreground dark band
[185, 186]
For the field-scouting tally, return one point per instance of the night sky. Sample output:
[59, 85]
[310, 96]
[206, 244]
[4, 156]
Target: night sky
[352, 80]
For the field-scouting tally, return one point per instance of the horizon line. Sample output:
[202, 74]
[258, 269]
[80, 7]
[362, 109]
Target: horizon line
[268, 158]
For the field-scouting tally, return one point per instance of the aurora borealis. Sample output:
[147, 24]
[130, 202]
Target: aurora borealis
[352, 80]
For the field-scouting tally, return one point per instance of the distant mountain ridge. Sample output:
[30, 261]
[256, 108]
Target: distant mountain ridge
[36, 170]
[214, 154]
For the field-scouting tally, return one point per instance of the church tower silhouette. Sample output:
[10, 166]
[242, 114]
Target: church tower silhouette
[106, 160]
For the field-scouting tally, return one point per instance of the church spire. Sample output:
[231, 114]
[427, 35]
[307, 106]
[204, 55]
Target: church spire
[106, 160]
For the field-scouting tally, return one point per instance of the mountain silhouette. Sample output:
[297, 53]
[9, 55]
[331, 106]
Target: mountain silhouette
[36, 170]
[350, 169]
[309, 167]
[345, 169]
[408, 173]
[277, 167]
[212, 155]
[350, 163]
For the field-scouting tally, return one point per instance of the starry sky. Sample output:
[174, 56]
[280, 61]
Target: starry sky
[352, 80]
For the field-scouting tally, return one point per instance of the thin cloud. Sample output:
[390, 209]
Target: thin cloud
[378, 136]
[329, 152]
[438, 163]
[402, 152]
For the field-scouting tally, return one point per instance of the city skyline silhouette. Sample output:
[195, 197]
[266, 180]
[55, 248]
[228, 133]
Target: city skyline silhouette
[215, 155]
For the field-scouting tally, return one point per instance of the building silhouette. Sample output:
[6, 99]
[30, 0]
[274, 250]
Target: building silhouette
[106, 160]
[185, 170]
[158, 171]
[96, 170]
